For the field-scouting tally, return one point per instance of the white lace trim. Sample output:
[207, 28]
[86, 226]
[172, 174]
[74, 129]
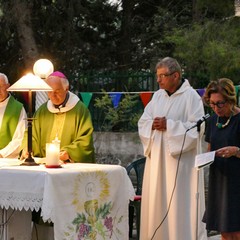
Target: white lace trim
[21, 201]
[47, 209]
[47, 213]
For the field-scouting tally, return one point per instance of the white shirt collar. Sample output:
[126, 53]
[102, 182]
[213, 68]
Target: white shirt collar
[4, 103]
[72, 101]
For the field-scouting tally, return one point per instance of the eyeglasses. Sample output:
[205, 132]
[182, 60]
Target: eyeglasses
[218, 104]
[161, 76]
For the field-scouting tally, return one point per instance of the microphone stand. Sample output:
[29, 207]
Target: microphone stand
[199, 150]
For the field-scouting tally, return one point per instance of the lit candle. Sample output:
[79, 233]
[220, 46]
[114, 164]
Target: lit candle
[52, 153]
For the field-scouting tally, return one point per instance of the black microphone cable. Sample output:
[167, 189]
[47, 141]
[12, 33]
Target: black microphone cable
[174, 187]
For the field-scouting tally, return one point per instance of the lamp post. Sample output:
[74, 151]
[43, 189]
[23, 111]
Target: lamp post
[29, 83]
[42, 68]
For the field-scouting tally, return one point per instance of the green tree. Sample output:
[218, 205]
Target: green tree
[213, 9]
[209, 51]
[120, 118]
[75, 35]
[79, 36]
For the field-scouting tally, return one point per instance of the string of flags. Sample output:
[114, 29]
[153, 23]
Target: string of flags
[144, 96]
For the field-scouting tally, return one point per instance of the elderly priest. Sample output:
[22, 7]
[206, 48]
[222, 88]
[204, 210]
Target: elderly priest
[63, 117]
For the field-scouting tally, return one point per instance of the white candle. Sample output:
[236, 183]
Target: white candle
[52, 154]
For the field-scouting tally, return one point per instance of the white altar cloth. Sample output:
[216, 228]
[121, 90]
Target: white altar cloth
[84, 201]
[24, 189]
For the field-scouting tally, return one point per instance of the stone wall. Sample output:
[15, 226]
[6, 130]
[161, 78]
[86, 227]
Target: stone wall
[124, 146]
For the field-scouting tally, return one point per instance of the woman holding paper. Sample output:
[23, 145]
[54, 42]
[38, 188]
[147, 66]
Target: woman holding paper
[223, 136]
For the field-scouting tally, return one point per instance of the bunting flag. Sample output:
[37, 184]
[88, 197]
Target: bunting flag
[115, 98]
[201, 91]
[236, 89]
[145, 97]
[86, 97]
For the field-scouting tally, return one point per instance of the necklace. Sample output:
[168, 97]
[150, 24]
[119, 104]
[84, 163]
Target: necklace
[220, 125]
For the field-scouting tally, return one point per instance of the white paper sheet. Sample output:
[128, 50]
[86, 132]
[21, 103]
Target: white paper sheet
[204, 159]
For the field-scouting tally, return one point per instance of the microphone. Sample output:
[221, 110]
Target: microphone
[200, 121]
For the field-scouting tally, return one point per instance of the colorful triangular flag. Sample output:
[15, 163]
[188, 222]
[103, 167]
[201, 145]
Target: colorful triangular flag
[145, 97]
[236, 89]
[115, 98]
[201, 91]
[86, 97]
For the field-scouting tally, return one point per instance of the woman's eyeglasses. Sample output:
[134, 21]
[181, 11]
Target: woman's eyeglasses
[218, 104]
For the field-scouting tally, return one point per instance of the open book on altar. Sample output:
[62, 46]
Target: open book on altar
[204, 159]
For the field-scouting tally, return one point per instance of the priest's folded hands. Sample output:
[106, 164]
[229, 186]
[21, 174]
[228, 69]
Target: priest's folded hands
[159, 123]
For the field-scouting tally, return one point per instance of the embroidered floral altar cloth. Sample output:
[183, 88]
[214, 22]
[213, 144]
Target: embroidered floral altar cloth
[84, 201]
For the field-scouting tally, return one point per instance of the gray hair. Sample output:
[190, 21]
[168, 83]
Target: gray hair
[65, 82]
[2, 75]
[170, 63]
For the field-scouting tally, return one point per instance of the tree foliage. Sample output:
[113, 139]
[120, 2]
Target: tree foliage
[87, 35]
[209, 51]
[120, 118]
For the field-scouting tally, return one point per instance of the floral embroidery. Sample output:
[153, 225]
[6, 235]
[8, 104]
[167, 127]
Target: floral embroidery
[100, 223]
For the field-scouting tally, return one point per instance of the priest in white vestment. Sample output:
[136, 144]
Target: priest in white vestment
[172, 187]
[12, 121]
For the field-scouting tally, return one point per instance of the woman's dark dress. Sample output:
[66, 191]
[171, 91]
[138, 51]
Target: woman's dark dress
[223, 200]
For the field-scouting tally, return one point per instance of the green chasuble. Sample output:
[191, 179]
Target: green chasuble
[10, 121]
[76, 133]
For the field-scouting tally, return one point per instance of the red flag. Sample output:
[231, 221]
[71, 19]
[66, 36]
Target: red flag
[145, 97]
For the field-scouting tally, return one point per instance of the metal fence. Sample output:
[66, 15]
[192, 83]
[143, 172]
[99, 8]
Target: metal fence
[127, 81]
[124, 82]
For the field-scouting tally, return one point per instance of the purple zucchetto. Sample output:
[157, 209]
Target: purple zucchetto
[57, 74]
